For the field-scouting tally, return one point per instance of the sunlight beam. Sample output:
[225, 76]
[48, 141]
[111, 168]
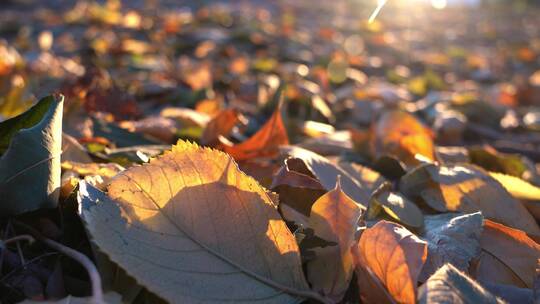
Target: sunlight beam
[380, 4]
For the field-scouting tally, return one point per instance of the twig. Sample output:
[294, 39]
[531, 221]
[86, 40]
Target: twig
[18, 238]
[95, 279]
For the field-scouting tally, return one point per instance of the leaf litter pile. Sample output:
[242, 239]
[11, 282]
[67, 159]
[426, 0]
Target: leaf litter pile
[269, 152]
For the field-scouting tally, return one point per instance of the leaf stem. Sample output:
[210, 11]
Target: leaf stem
[18, 238]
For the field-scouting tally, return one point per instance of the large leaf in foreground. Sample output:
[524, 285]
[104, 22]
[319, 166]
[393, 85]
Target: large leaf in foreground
[191, 227]
[30, 167]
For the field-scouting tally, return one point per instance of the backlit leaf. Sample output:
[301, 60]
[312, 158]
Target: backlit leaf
[400, 134]
[395, 256]
[191, 227]
[264, 143]
[334, 217]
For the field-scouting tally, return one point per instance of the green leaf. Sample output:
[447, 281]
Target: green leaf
[26, 120]
[30, 167]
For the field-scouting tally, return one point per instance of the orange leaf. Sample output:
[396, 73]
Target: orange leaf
[510, 249]
[395, 256]
[221, 125]
[402, 135]
[334, 217]
[264, 143]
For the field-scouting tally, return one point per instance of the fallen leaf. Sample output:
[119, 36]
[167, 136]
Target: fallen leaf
[519, 188]
[451, 238]
[334, 217]
[395, 256]
[395, 205]
[188, 117]
[449, 285]
[466, 188]
[400, 134]
[327, 173]
[296, 188]
[162, 128]
[513, 249]
[121, 137]
[30, 167]
[191, 227]
[492, 160]
[264, 143]
[107, 170]
[221, 125]
[72, 150]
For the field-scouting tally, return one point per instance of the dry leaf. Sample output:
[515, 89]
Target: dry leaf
[108, 170]
[400, 134]
[519, 188]
[191, 227]
[296, 189]
[334, 217]
[511, 249]
[327, 174]
[395, 256]
[449, 285]
[162, 128]
[188, 117]
[451, 238]
[221, 125]
[468, 189]
[395, 205]
[264, 143]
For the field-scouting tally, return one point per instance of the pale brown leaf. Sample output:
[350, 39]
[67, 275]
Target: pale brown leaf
[334, 217]
[191, 227]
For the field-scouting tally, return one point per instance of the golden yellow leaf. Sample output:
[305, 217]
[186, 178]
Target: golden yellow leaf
[107, 170]
[264, 143]
[400, 134]
[191, 227]
[395, 256]
[334, 217]
[517, 187]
